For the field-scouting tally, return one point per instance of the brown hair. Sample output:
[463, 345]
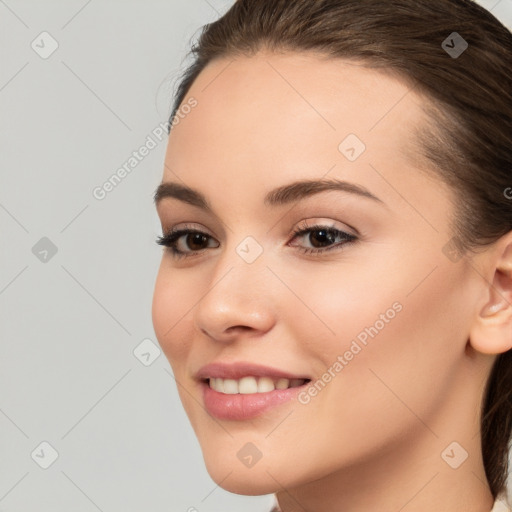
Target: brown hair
[468, 105]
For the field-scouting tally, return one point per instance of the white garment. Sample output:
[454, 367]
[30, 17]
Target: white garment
[501, 506]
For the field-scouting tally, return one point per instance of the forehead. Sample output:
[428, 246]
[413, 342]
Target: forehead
[288, 116]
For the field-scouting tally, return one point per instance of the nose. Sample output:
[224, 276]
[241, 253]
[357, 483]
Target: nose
[237, 301]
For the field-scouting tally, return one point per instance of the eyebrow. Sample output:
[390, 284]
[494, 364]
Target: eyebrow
[282, 195]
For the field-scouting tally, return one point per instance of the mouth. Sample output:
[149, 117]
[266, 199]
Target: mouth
[252, 384]
[243, 390]
[248, 397]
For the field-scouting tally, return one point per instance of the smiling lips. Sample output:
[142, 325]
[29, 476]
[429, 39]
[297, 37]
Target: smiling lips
[241, 391]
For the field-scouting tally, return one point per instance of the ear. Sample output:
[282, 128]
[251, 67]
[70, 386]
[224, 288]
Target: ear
[491, 332]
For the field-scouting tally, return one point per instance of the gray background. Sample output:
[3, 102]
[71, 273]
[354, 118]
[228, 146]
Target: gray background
[71, 321]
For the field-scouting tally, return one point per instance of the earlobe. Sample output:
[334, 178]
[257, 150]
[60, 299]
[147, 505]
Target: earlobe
[491, 332]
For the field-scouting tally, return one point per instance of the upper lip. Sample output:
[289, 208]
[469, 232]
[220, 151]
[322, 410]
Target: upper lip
[243, 369]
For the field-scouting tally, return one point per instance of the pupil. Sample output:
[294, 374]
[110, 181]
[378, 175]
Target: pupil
[196, 238]
[323, 234]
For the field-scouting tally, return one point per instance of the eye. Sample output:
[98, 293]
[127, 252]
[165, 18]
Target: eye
[321, 238]
[320, 235]
[191, 236]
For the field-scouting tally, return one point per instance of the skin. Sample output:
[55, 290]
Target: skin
[373, 437]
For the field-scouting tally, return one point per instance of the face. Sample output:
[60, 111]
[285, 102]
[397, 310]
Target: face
[351, 288]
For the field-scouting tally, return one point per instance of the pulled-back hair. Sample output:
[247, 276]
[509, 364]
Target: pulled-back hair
[467, 141]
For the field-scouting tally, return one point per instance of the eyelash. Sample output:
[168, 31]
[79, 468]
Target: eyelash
[170, 239]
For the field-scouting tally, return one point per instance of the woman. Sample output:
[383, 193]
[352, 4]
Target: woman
[335, 293]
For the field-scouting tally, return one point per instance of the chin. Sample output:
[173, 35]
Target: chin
[248, 486]
[253, 481]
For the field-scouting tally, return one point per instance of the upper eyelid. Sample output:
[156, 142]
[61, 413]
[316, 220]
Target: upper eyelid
[298, 229]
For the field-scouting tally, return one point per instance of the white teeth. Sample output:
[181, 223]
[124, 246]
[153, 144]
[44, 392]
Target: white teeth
[248, 385]
[219, 385]
[265, 384]
[230, 386]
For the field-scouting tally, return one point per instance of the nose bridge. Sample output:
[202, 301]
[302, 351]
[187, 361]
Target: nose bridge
[239, 276]
[244, 260]
[238, 292]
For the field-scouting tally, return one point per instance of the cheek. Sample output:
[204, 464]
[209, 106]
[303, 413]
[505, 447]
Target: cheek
[340, 307]
[171, 303]
[401, 297]
[398, 342]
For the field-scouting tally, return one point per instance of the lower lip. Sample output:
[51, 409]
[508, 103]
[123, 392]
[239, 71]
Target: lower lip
[245, 406]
